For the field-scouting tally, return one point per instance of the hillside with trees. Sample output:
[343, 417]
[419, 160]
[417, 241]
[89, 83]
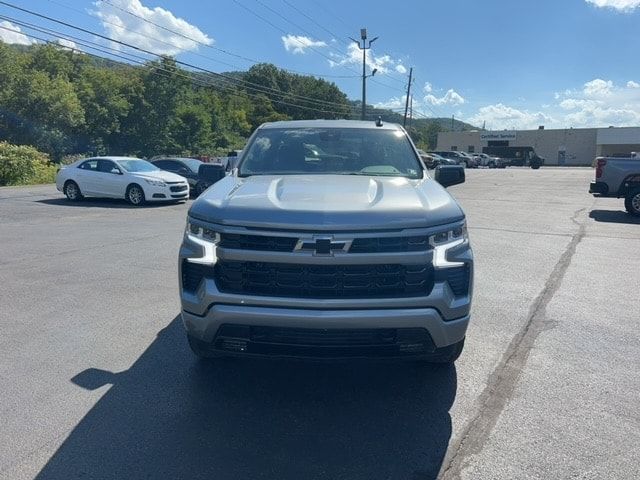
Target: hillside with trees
[63, 102]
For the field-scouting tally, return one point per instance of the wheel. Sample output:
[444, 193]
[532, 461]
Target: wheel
[447, 354]
[200, 188]
[492, 165]
[535, 167]
[466, 165]
[135, 195]
[632, 202]
[201, 349]
[72, 191]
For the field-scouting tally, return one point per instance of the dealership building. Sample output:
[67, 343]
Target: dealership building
[572, 146]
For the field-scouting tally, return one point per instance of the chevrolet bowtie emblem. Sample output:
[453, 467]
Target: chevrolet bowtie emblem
[323, 245]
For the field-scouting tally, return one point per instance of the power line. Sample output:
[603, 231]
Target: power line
[302, 44]
[212, 47]
[254, 86]
[349, 28]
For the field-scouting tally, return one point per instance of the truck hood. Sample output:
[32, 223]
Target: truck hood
[326, 202]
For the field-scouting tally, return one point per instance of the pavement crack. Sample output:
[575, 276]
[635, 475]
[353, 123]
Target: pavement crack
[502, 382]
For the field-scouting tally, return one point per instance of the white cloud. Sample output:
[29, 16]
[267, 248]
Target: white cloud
[127, 28]
[428, 88]
[394, 103]
[10, 33]
[401, 68]
[67, 44]
[300, 43]
[598, 88]
[450, 98]
[598, 103]
[382, 63]
[620, 5]
[500, 116]
[601, 103]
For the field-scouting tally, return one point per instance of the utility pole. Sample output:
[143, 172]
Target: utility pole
[452, 117]
[406, 102]
[364, 48]
[411, 112]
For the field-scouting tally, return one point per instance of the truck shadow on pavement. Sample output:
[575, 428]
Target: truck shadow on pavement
[172, 416]
[613, 216]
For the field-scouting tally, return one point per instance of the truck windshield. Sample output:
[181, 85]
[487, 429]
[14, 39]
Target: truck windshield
[337, 151]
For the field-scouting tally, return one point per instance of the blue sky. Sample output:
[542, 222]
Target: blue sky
[509, 64]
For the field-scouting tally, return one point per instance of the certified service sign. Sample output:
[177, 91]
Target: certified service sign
[498, 136]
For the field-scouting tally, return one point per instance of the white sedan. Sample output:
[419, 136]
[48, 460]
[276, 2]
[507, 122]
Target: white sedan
[135, 180]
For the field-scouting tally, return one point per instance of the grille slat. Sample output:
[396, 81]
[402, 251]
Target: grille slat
[323, 281]
[360, 245]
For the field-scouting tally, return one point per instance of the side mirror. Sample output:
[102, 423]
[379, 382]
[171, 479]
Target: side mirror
[116, 171]
[183, 171]
[211, 172]
[447, 175]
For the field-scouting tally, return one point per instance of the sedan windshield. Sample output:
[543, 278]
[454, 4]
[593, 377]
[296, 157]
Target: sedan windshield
[337, 151]
[136, 165]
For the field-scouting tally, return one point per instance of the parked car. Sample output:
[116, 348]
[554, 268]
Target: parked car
[469, 160]
[453, 155]
[185, 167]
[456, 156]
[489, 161]
[517, 156]
[619, 177]
[210, 173]
[440, 160]
[133, 179]
[429, 159]
[354, 252]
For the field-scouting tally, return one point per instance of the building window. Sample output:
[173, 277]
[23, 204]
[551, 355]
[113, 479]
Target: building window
[454, 148]
[471, 149]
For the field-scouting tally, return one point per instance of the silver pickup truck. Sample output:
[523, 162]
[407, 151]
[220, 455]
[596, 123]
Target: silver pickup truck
[328, 240]
[619, 177]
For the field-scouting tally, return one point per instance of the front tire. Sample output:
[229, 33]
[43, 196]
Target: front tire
[72, 191]
[135, 195]
[632, 202]
[492, 165]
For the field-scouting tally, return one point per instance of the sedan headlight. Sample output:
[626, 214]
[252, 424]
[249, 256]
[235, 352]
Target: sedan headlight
[207, 239]
[444, 241]
[157, 183]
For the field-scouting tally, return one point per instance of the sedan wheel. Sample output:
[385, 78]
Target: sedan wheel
[135, 195]
[72, 191]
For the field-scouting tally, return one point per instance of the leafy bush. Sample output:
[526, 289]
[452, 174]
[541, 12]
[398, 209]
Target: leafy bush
[24, 165]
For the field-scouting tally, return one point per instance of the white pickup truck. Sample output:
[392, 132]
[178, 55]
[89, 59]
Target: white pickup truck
[619, 177]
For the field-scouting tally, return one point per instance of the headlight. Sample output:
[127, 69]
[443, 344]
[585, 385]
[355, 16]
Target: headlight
[157, 183]
[442, 242]
[207, 239]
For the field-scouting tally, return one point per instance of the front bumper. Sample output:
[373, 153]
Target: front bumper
[154, 193]
[442, 313]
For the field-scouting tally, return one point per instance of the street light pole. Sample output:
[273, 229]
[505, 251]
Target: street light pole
[365, 46]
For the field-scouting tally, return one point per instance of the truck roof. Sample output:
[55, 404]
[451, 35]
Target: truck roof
[332, 124]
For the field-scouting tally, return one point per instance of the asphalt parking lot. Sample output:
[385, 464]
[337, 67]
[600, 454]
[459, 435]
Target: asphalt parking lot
[97, 380]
